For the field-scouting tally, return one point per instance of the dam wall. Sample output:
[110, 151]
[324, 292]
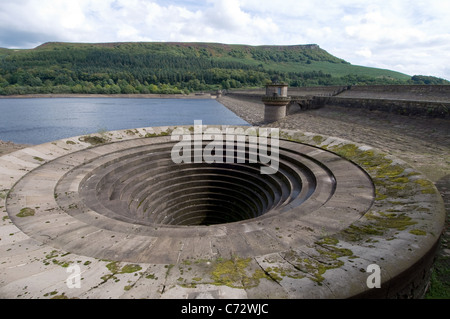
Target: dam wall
[415, 100]
[435, 93]
[403, 107]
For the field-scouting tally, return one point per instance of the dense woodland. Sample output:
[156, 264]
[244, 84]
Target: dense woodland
[176, 68]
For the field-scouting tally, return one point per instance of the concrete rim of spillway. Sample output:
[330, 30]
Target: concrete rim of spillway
[314, 231]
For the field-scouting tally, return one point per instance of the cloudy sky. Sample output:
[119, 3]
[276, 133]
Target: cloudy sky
[409, 36]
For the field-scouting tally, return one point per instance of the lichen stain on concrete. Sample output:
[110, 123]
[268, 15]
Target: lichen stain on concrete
[26, 212]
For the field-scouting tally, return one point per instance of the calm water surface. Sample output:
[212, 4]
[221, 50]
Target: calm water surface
[41, 120]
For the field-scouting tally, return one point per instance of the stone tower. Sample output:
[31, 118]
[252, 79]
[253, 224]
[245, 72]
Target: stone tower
[275, 101]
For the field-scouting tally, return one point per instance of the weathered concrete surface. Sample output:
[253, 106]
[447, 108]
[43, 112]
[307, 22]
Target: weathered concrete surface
[422, 142]
[400, 228]
[396, 106]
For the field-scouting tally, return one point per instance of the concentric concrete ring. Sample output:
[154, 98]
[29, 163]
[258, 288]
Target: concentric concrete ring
[311, 230]
[134, 189]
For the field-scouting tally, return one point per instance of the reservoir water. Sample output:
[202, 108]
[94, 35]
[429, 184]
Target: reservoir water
[41, 120]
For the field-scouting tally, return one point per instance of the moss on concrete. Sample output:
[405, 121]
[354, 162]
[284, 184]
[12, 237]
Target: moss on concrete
[166, 133]
[114, 267]
[390, 220]
[376, 224]
[318, 139]
[426, 185]
[93, 140]
[356, 232]
[347, 150]
[235, 273]
[328, 255]
[130, 268]
[4, 193]
[328, 247]
[26, 212]
[418, 232]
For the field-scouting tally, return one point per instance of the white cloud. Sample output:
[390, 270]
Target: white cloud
[228, 22]
[364, 52]
[411, 36]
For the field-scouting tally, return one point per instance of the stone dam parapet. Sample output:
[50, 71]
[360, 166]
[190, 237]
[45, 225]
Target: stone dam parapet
[418, 100]
[403, 107]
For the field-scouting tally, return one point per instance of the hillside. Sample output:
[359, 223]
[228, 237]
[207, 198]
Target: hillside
[113, 68]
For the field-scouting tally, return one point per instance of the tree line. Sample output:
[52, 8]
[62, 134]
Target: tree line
[178, 71]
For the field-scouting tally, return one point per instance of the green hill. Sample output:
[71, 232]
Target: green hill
[113, 68]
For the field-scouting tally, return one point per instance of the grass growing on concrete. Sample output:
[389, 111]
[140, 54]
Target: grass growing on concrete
[26, 212]
[93, 140]
[234, 273]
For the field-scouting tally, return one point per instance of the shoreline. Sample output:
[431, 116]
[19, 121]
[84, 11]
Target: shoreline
[7, 147]
[136, 96]
[250, 109]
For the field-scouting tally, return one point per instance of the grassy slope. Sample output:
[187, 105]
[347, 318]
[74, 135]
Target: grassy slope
[321, 60]
[339, 69]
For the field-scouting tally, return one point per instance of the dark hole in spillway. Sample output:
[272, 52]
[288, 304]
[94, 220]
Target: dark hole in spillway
[147, 187]
[206, 194]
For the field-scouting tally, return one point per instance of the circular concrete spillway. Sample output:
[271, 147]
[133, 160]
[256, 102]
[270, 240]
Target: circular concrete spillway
[145, 186]
[124, 209]
[136, 184]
